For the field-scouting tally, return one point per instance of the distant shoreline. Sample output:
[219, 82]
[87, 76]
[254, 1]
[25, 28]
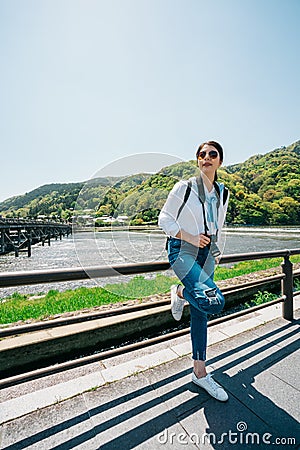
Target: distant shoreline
[228, 228]
[118, 228]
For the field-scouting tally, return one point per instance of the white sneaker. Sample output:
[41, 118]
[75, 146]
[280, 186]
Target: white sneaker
[211, 386]
[177, 303]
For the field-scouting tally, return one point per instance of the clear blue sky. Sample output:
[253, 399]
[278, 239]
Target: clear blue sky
[86, 82]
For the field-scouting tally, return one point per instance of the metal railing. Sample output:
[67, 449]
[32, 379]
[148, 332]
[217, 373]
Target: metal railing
[57, 275]
[12, 279]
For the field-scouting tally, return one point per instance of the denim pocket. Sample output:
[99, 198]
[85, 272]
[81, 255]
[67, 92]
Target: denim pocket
[175, 243]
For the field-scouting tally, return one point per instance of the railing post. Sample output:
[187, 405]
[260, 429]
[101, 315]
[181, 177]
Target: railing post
[18, 244]
[29, 244]
[287, 288]
[2, 242]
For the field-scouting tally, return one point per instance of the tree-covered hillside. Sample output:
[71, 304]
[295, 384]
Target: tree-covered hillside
[265, 190]
[271, 188]
[49, 199]
[65, 199]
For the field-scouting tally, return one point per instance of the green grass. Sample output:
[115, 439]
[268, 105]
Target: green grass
[246, 267]
[260, 298]
[297, 284]
[139, 287]
[19, 307]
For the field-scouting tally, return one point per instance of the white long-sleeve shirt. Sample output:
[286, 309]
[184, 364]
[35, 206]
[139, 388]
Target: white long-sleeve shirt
[191, 217]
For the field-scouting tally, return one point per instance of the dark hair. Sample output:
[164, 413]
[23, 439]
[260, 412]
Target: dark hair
[213, 144]
[217, 146]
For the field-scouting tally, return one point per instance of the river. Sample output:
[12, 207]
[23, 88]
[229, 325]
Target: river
[85, 249]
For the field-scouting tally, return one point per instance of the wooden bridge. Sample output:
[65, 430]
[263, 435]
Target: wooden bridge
[18, 235]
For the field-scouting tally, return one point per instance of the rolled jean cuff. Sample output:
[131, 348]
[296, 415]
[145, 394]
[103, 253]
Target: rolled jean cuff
[197, 356]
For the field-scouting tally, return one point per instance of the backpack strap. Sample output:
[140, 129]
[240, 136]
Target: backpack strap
[201, 196]
[186, 196]
[225, 192]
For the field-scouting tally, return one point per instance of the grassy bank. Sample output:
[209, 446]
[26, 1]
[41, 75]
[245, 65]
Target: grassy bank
[21, 307]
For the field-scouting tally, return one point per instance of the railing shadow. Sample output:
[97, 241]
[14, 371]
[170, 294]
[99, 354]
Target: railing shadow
[138, 416]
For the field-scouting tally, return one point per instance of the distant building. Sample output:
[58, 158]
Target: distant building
[122, 218]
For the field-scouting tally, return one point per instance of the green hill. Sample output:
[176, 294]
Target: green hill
[271, 188]
[265, 190]
[62, 200]
[45, 200]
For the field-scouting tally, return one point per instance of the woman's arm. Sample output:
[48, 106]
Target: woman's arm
[167, 219]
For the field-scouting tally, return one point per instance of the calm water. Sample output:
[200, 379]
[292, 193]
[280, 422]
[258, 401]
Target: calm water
[106, 248]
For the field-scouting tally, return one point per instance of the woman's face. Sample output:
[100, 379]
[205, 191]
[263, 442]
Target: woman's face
[206, 163]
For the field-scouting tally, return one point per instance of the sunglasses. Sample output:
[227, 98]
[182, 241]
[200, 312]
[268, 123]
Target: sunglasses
[213, 154]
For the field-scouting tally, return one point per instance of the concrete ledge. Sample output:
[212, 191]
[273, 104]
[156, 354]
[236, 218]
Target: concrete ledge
[33, 349]
[39, 348]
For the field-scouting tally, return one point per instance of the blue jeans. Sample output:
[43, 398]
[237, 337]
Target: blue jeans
[195, 268]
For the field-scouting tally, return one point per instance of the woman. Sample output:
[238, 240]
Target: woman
[192, 217]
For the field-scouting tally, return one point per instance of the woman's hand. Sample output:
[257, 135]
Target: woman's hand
[200, 240]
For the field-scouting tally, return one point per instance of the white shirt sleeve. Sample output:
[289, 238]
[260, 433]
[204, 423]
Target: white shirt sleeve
[222, 214]
[167, 217]
[223, 210]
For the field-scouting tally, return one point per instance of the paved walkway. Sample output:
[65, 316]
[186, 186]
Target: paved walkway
[256, 358]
